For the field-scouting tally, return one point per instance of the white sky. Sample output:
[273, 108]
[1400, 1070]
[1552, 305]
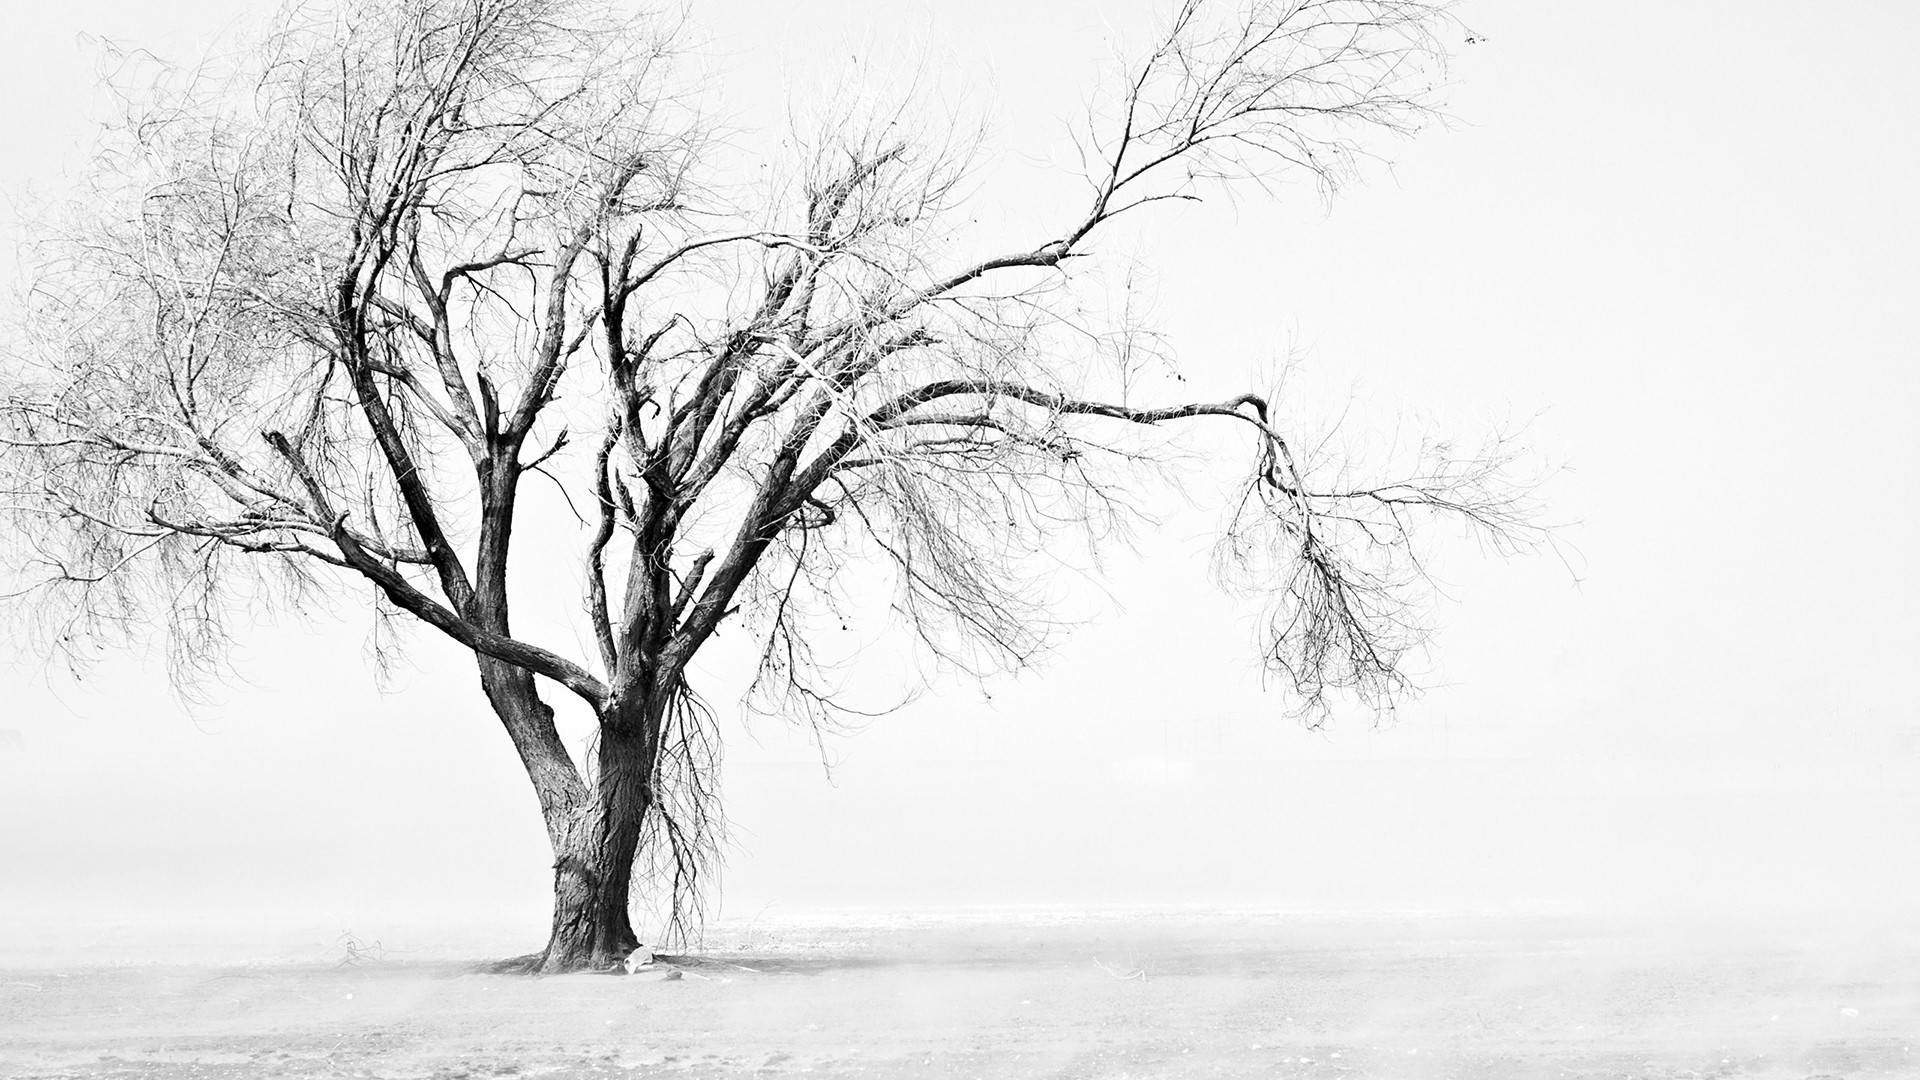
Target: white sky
[1681, 234]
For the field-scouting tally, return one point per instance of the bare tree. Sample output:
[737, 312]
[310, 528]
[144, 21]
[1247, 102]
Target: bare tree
[319, 320]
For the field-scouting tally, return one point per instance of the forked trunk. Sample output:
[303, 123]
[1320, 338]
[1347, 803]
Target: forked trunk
[594, 833]
[593, 863]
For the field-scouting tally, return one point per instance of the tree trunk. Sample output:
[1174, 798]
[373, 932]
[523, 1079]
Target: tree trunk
[593, 862]
[595, 833]
[591, 928]
[529, 723]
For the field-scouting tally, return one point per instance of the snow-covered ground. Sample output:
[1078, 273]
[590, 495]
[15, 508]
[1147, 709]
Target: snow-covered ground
[1016, 993]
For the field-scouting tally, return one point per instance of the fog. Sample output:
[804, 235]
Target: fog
[1674, 241]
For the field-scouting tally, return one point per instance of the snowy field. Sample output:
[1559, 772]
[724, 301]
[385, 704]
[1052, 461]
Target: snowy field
[1014, 994]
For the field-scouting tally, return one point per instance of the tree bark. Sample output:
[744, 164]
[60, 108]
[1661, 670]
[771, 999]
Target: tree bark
[593, 823]
[529, 723]
[594, 854]
[592, 859]
[596, 836]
